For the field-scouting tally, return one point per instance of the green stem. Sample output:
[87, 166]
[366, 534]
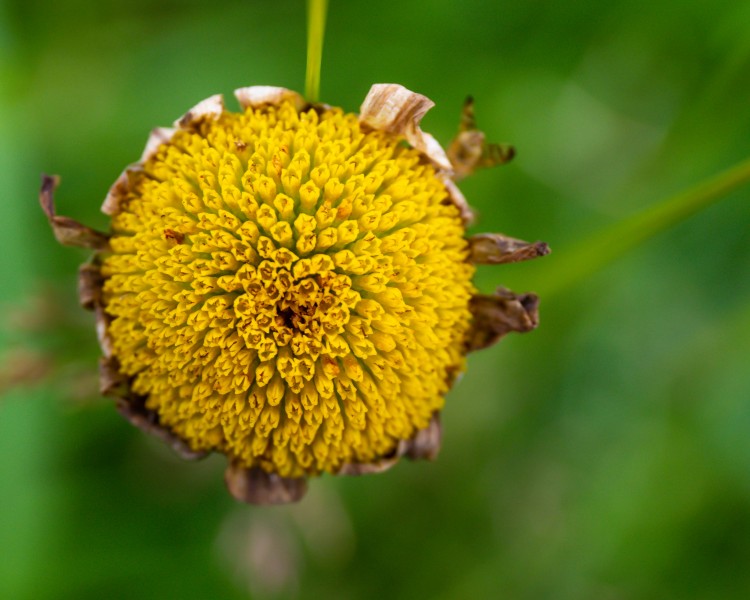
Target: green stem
[602, 248]
[316, 26]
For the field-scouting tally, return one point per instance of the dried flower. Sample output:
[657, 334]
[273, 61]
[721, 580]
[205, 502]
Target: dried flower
[291, 285]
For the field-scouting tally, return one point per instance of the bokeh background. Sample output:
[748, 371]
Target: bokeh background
[605, 456]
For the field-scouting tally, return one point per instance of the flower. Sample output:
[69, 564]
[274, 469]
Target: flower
[291, 286]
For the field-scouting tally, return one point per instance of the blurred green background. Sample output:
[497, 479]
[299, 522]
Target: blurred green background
[605, 456]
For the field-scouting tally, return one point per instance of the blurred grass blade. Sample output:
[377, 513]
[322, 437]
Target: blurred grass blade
[316, 25]
[608, 245]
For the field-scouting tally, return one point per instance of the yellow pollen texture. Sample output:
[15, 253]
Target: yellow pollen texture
[289, 289]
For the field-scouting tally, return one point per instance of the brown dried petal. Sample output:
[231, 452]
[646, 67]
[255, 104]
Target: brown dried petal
[393, 108]
[370, 468]
[465, 152]
[90, 283]
[210, 108]
[255, 486]
[67, 231]
[456, 197]
[262, 95]
[158, 136]
[498, 249]
[111, 381]
[102, 334]
[426, 442]
[434, 151]
[470, 151]
[119, 190]
[499, 314]
[134, 410]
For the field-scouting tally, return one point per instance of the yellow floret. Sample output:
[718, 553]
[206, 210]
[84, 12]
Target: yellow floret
[289, 289]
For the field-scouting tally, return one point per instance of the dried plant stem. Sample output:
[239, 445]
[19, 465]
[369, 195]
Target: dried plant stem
[316, 25]
[606, 246]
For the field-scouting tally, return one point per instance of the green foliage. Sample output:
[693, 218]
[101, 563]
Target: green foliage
[604, 456]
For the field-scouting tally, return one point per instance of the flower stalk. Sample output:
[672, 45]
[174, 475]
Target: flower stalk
[316, 25]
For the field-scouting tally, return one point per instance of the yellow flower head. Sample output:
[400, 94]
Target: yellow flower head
[291, 285]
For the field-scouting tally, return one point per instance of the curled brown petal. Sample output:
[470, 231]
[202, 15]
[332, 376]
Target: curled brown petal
[426, 442]
[67, 231]
[210, 108]
[456, 197]
[394, 109]
[134, 410]
[157, 137]
[470, 150]
[498, 249]
[111, 380]
[119, 190]
[102, 333]
[498, 314]
[90, 283]
[369, 468]
[261, 95]
[256, 486]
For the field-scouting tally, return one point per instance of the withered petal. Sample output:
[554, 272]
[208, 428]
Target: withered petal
[90, 283]
[394, 109]
[256, 486]
[470, 150]
[157, 137]
[68, 232]
[434, 151]
[119, 190]
[256, 96]
[468, 120]
[425, 445]
[498, 249]
[134, 410]
[456, 197]
[210, 108]
[498, 314]
[111, 381]
[102, 333]
[368, 468]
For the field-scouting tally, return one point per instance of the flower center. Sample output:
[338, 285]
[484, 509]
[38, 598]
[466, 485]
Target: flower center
[300, 303]
[289, 289]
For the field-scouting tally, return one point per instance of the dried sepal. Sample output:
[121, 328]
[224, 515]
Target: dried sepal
[90, 283]
[256, 486]
[133, 408]
[67, 231]
[498, 314]
[210, 108]
[498, 249]
[157, 137]
[257, 96]
[394, 109]
[470, 150]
